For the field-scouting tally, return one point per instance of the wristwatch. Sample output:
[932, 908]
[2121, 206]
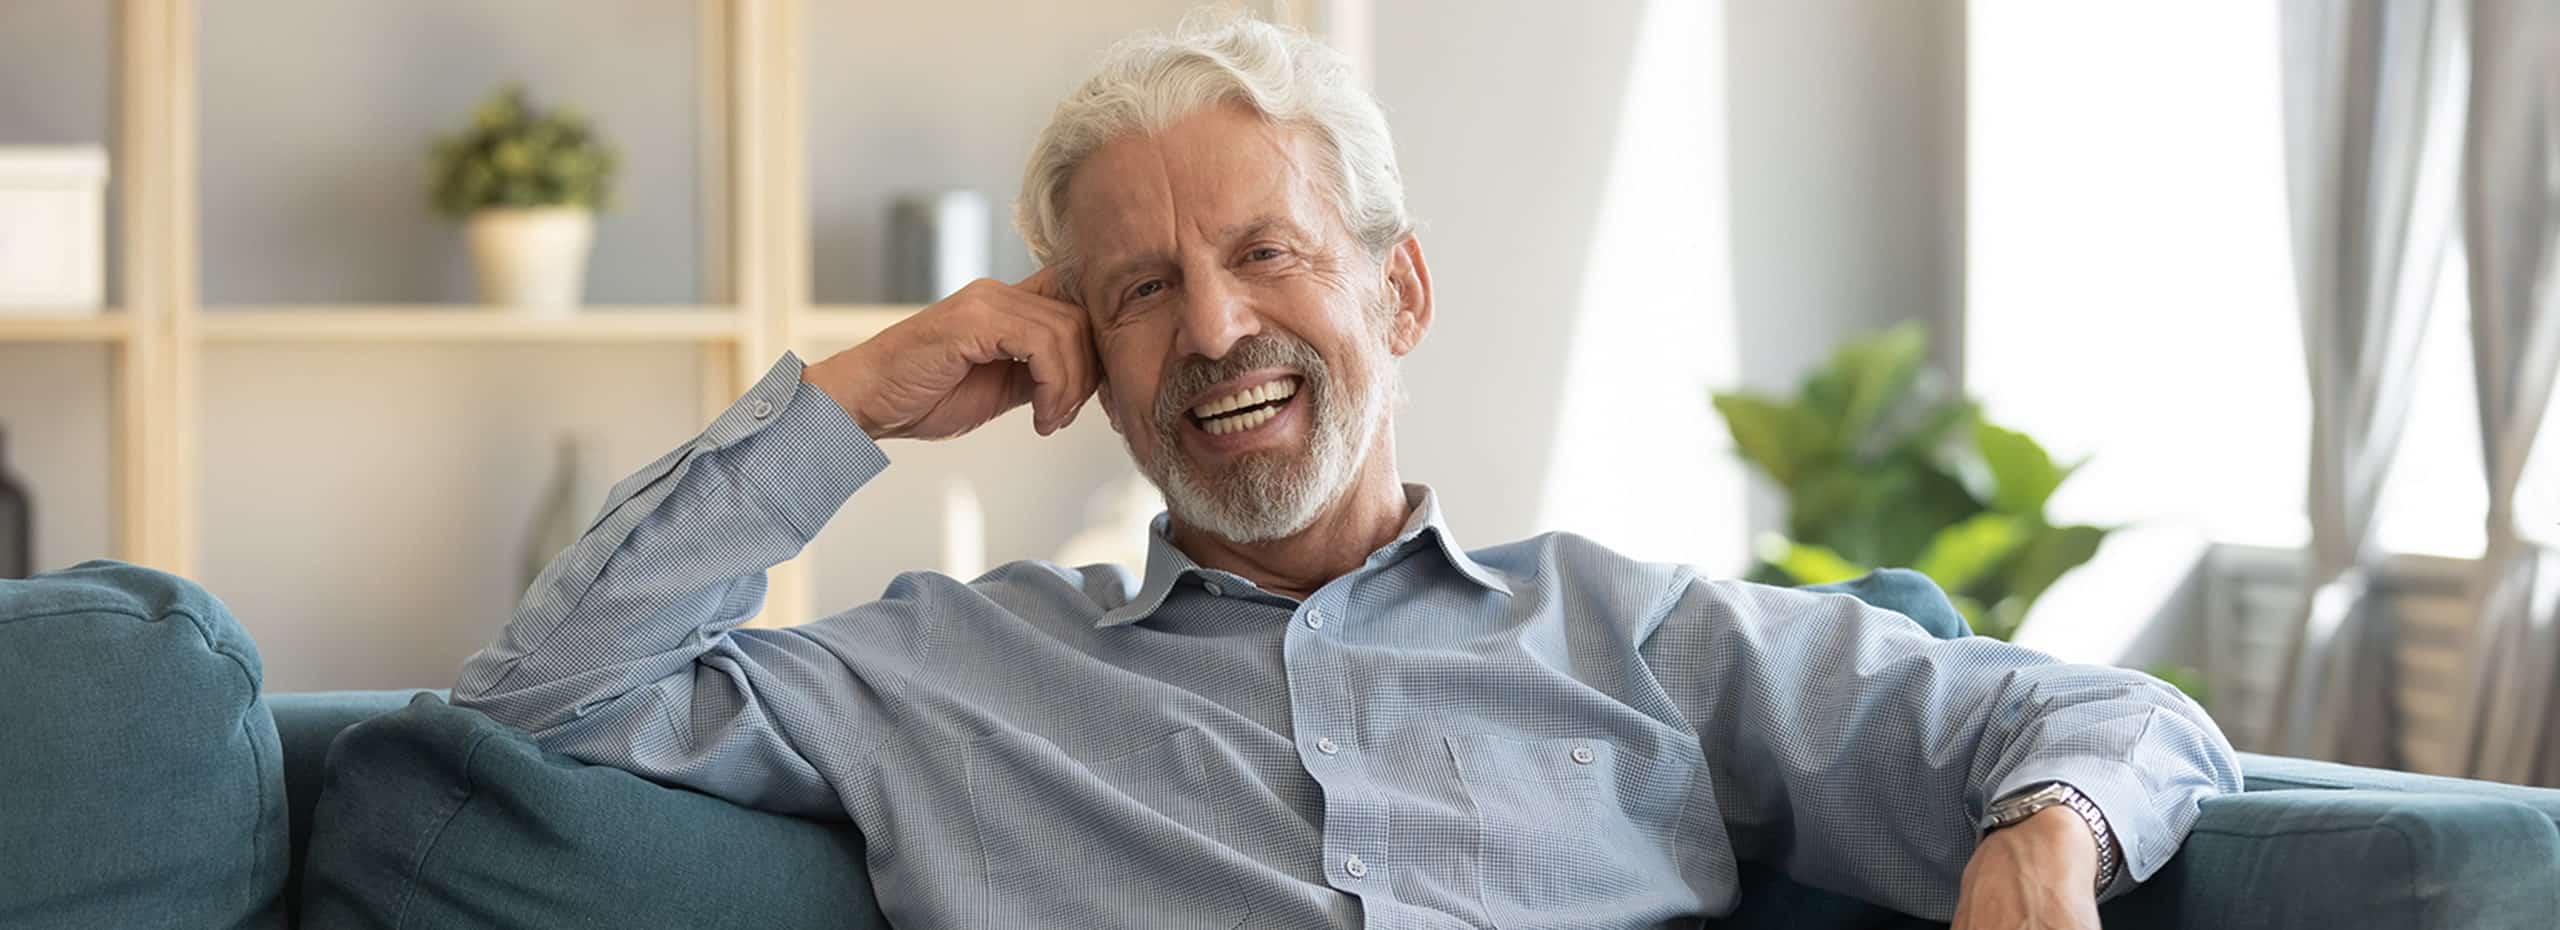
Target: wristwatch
[2025, 802]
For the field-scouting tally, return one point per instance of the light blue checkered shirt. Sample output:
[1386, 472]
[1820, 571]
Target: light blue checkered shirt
[1540, 734]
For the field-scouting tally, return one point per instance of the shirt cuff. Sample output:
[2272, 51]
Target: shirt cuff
[798, 449]
[2122, 798]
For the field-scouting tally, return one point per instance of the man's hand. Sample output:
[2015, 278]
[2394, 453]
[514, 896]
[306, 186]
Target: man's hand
[2032, 875]
[969, 357]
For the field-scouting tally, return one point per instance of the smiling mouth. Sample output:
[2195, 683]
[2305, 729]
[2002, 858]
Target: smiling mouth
[1245, 409]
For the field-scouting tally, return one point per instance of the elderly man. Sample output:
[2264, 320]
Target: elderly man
[1314, 708]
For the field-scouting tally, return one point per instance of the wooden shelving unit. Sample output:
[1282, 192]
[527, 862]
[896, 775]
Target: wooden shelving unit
[433, 323]
[756, 240]
[105, 327]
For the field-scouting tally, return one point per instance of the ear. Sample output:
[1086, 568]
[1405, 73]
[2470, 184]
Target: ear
[1409, 292]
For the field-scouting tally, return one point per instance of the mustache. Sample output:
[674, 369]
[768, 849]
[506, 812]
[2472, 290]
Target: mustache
[1262, 350]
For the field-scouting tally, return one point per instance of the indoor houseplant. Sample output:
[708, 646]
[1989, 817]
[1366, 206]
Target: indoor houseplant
[1884, 466]
[527, 182]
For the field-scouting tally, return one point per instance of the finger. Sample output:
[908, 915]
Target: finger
[1072, 345]
[1036, 348]
[1076, 345]
[1043, 282]
[999, 336]
[1075, 327]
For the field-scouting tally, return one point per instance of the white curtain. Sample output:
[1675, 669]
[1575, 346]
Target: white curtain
[2372, 111]
[2511, 228]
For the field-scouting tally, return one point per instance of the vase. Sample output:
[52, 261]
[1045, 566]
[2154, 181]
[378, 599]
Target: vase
[531, 260]
[17, 530]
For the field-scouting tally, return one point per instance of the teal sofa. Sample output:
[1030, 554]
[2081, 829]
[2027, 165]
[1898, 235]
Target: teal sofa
[146, 780]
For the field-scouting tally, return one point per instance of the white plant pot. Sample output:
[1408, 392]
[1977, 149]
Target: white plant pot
[532, 260]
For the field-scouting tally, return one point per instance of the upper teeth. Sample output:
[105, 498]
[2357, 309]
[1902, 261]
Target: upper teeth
[1248, 397]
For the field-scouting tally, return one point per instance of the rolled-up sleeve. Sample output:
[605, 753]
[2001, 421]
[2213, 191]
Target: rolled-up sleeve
[1858, 753]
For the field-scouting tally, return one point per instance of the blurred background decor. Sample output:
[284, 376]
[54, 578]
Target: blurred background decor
[17, 525]
[527, 182]
[53, 229]
[1885, 466]
[940, 240]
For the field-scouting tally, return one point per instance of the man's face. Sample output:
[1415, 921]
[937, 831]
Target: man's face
[1246, 338]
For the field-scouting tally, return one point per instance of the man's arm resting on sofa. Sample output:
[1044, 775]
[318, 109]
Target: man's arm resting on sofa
[1860, 754]
[623, 653]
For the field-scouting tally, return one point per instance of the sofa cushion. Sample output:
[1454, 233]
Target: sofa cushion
[306, 723]
[143, 777]
[436, 816]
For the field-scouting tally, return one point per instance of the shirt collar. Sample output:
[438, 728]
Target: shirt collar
[1168, 565]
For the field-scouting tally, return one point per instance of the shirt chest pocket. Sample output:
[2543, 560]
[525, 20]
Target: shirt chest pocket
[1120, 840]
[1573, 828]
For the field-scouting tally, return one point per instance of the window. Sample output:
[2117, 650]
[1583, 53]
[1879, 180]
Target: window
[2130, 268]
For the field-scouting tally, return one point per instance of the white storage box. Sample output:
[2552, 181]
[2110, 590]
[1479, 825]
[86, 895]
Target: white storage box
[53, 230]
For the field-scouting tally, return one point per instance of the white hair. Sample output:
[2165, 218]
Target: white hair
[1149, 81]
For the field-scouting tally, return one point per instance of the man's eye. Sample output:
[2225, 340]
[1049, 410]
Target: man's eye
[1262, 253]
[1146, 288]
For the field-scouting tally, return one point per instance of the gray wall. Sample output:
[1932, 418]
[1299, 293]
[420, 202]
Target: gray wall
[1847, 160]
[317, 115]
[1504, 166]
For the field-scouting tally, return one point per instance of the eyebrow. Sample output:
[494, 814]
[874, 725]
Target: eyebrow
[1245, 229]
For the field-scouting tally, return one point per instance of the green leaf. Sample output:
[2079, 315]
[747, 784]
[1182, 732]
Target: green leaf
[1972, 612]
[2054, 551]
[1887, 512]
[515, 154]
[1965, 553]
[1863, 378]
[2023, 474]
[1807, 563]
[1766, 432]
[2185, 678]
[2001, 622]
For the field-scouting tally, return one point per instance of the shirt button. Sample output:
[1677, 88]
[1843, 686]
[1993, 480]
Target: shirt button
[761, 409]
[1315, 619]
[1582, 755]
[1214, 590]
[1326, 745]
[1356, 867]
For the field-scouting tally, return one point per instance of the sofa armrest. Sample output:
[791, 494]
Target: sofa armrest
[2280, 773]
[2323, 859]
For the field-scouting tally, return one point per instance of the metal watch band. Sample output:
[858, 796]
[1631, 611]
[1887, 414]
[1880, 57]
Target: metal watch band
[2026, 802]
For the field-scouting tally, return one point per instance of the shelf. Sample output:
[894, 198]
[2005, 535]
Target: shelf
[101, 327]
[849, 323]
[466, 323]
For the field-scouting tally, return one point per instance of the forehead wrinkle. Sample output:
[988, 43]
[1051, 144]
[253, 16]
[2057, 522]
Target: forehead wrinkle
[1215, 173]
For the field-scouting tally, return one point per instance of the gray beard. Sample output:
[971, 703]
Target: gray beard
[1275, 493]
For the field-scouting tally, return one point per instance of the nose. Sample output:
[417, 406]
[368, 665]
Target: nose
[1215, 316]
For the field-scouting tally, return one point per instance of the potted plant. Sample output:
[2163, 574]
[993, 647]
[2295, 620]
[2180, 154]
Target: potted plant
[527, 182]
[1884, 467]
